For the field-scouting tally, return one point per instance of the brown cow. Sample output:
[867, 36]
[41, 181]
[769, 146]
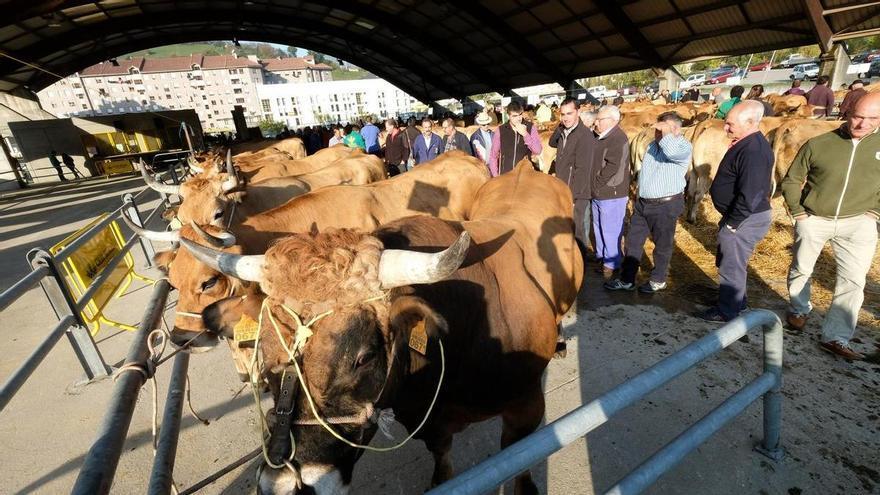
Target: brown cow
[791, 135]
[444, 187]
[389, 301]
[267, 168]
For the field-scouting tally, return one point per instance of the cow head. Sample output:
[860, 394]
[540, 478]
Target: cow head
[198, 285]
[354, 351]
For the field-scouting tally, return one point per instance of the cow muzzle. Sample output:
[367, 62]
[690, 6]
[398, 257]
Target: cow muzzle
[317, 479]
[193, 341]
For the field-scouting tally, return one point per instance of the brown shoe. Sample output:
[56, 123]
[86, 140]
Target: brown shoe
[796, 321]
[842, 350]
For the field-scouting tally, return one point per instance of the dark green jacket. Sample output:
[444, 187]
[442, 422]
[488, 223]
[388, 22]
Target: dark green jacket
[831, 177]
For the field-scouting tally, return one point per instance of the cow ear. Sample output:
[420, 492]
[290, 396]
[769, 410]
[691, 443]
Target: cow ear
[232, 315]
[163, 259]
[413, 323]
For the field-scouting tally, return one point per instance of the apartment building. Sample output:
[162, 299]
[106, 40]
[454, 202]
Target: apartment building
[212, 85]
[308, 104]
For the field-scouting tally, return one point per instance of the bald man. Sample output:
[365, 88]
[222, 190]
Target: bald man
[741, 193]
[831, 191]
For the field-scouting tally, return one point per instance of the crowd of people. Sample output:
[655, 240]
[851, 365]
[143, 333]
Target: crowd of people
[831, 190]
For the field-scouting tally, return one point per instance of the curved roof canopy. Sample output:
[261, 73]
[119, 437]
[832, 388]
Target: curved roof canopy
[431, 49]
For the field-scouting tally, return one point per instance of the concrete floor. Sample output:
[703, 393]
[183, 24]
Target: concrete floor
[830, 431]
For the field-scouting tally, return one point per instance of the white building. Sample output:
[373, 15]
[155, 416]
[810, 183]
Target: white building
[308, 104]
[212, 85]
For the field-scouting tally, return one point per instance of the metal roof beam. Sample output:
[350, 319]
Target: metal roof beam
[95, 32]
[815, 14]
[631, 32]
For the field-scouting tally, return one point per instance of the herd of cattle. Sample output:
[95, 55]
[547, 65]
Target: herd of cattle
[385, 270]
[437, 280]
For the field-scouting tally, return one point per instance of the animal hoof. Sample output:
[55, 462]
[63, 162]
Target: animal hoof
[561, 350]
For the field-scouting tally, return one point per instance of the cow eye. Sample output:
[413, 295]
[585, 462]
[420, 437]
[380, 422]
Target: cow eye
[364, 358]
[218, 213]
[207, 284]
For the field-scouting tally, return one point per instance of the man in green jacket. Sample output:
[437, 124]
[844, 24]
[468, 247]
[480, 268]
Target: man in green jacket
[833, 192]
[736, 93]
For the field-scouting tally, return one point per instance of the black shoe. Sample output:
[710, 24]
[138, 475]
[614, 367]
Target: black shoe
[711, 315]
[618, 284]
[651, 287]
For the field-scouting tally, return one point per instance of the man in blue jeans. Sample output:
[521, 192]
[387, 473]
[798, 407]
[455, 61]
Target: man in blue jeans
[741, 193]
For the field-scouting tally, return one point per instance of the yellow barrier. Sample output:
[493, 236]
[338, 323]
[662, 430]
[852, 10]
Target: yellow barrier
[89, 261]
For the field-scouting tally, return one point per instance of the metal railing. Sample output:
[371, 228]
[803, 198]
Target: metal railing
[536, 447]
[68, 309]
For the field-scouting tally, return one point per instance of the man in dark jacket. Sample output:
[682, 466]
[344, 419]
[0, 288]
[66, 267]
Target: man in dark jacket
[741, 193]
[611, 180]
[395, 151]
[426, 147]
[822, 97]
[454, 139]
[575, 145]
[481, 139]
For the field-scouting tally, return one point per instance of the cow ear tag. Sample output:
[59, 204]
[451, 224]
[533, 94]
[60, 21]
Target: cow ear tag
[418, 338]
[245, 330]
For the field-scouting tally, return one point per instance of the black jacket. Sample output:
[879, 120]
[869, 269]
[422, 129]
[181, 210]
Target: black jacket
[461, 143]
[396, 149]
[742, 183]
[611, 170]
[574, 162]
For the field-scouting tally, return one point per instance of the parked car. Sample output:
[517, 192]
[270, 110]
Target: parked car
[765, 65]
[874, 69]
[804, 71]
[721, 77]
[693, 80]
[602, 92]
[795, 59]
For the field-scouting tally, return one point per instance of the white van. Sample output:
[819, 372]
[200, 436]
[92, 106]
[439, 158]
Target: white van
[693, 80]
[602, 92]
[804, 71]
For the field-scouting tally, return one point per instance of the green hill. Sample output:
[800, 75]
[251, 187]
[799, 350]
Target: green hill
[262, 50]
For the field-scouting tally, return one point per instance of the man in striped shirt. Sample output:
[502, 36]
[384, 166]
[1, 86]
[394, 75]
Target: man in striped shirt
[660, 202]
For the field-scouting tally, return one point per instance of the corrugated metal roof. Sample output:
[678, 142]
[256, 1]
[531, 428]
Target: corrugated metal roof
[433, 49]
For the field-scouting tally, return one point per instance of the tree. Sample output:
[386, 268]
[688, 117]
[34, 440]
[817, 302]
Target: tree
[291, 51]
[320, 58]
[271, 128]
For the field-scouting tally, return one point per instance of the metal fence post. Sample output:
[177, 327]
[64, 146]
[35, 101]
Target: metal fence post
[161, 479]
[134, 214]
[62, 302]
[773, 348]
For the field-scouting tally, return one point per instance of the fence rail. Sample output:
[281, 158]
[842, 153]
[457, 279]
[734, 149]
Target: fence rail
[536, 447]
[45, 272]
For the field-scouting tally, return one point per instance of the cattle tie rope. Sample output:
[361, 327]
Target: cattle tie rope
[157, 340]
[303, 333]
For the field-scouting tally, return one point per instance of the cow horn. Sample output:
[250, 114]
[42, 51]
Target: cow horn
[231, 181]
[224, 239]
[154, 185]
[153, 235]
[399, 267]
[194, 165]
[248, 268]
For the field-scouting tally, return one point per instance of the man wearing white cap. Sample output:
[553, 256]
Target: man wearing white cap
[481, 140]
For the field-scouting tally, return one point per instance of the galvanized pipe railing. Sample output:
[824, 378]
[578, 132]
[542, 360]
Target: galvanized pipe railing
[161, 479]
[534, 448]
[96, 474]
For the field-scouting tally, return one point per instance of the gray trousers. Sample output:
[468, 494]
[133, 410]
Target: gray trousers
[734, 251]
[854, 241]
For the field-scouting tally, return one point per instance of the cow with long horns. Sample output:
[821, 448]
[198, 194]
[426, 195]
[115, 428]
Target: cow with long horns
[444, 187]
[447, 323]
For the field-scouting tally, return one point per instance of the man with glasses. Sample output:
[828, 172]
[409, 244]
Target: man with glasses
[513, 141]
[481, 141]
[427, 146]
[831, 191]
[611, 178]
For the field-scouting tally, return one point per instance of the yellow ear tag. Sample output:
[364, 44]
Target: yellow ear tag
[245, 330]
[418, 338]
[175, 223]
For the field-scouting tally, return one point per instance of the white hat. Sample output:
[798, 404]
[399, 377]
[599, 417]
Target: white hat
[483, 118]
